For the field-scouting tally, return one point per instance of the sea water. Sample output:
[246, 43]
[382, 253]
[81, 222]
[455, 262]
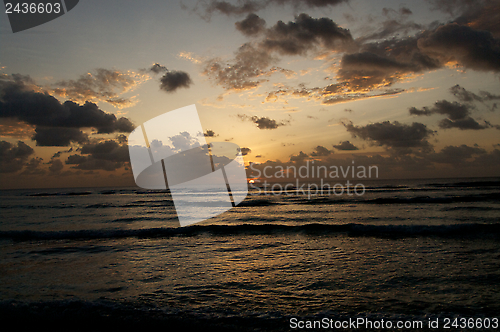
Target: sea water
[115, 258]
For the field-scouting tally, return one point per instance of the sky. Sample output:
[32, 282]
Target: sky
[410, 87]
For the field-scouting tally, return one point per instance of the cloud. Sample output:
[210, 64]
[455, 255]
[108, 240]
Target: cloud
[299, 158]
[174, 80]
[157, 68]
[396, 23]
[171, 80]
[244, 72]
[33, 167]
[473, 49]
[245, 151]
[56, 166]
[44, 111]
[210, 133]
[57, 136]
[483, 16]
[107, 150]
[321, 151]
[263, 122]
[296, 38]
[253, 60]
[345, 146]
[251, 25]
[393, 135]
[101, 85]
[13, 158]
[469, 97]
[455, 154]
[16, 129]
[108, 155]
[464, 95]
[367, 71]
[458, 115]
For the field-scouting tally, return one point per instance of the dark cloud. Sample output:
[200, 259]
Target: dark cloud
[108, 155]
[405, 11]
[59, 153]
[253, 61]
[299, 158]
[463, 124]
[294, 38]
[393, 135]
[174, 80]
[245, 151]
[107, 150]
[321, 151]
[464, 95]
[33, 167]
[483, 16]
[157, 68]
[48, 114]
[56, 166]
[455, 154]
[171, 79]
[473, 49]
[263, 122]
[366, 71]
[58, 136]
[345, 146]
[458, 115]
[469, 97]
[12, 157]
[251, 25]
[210, 133]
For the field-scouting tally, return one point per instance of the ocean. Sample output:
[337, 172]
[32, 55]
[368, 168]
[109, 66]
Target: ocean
[106, 259]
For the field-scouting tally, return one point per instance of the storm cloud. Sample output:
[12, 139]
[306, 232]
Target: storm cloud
[393, 134]
[245, 151]
[345, 146]
[47, 113]
[108, 155]
[14, 157]
[253, 60]
[474, 49]
[174, 80]
[321, 151]
[296, 38]
[458, 115]
[251, 25]
[210, 133]
[58, 136]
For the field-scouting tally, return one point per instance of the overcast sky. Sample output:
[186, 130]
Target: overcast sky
[411, 87]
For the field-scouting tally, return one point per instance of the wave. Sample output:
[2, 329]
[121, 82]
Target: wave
[107, 315]
[488, 197]
[351, 229]
[468, 184]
